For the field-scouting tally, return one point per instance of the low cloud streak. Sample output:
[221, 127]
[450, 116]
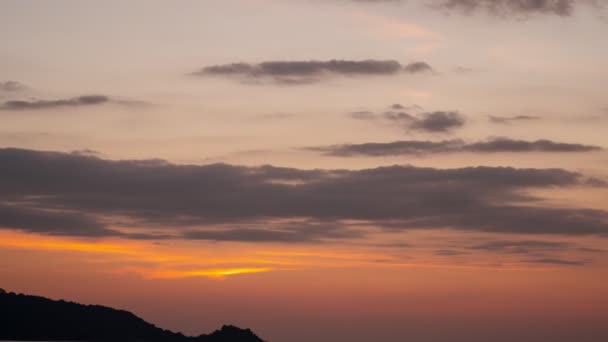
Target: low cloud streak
[85, 100]
[422, 147]
[301, 72]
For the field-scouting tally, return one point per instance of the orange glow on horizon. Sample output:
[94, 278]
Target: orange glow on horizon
[211, 273]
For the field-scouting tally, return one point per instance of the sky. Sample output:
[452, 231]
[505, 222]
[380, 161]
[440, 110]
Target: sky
[315, 170]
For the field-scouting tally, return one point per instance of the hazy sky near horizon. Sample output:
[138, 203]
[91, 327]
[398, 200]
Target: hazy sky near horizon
[324, 170]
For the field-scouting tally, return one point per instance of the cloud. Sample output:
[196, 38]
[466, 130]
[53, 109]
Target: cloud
[299, 72]
[422, 147]
[543, 145]
[85, 100]
[437, 121]
[512, 7]
[449, 252]
[10, 86]
[556, 262]
[417, 67]
[52, 222]
[288, 232]
[409, 147]
[505, 8]
[416, 119]
[510, 119]
[228, 203]
[521, 247]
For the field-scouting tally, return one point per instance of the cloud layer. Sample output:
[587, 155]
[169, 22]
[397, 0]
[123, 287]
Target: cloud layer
[422, 147]
[82, 195]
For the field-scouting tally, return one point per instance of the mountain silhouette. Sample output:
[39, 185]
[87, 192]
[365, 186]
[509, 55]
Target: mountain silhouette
[33, 318]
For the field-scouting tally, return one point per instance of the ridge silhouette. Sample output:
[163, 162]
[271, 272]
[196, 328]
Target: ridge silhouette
[33, 318]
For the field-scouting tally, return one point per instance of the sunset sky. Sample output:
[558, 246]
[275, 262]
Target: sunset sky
[315, 170]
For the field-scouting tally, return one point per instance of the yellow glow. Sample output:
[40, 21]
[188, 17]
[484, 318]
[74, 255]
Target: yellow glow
[35, 242]
[211, 273]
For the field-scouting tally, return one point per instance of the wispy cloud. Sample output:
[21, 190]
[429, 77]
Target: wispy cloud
[511, 119]
[522, 247]
[557, 262]
[302, 72]
[513, 7]
[85, 100]
[422, 147]
[505, 8]
[11, 86]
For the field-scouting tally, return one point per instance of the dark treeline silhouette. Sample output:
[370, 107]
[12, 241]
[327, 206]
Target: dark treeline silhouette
[33, 318]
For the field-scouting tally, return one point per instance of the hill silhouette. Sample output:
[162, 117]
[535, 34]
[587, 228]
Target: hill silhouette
[33, 318]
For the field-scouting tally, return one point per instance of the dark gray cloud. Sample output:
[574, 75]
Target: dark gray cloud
[299, 72]
[254, 203]
[415, 118]
[61, 222]
[85, 100]
[557, 262]
[417, 67]
[437, 121]
[543, 145]
[10, 86]
[53, 222]
[396, 148]
[512, 7]
[449, 252]
[522, 247]
[511, 119]
[505, 8]
[422, 147]
[289, 232]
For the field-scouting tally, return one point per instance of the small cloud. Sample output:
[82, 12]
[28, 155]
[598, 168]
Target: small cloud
[557, 262]
[432, 122]
[10, 86]
[414, 118]
[438, 122]
[449, 252]
[417, 67]
[85, 100]
[521, 247]
[304, 72]
[510, 119]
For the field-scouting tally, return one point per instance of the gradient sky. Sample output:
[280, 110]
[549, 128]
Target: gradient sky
[315, 170]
